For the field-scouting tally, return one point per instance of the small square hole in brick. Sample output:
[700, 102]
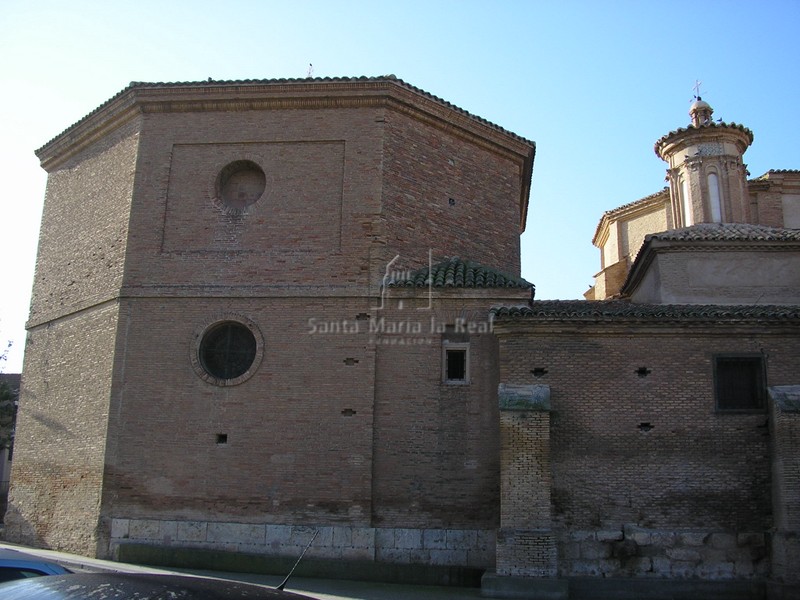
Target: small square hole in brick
[222, 438]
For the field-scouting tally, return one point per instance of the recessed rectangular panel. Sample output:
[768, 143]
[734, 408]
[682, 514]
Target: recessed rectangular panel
[215, 201]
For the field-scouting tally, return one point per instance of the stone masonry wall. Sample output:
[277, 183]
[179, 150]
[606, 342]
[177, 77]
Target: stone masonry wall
[440, 547]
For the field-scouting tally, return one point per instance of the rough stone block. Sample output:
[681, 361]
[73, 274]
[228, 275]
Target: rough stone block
[724, 541]
[663, 539]
[169, 531]
[367, 554]
[662, 566]
[279, 533]
[363, 537]
[642, 538]
[743, 569]
[434, 539]
[482, 558]
[145, 529]
[192, 531]
[120, 528]
[595, 550]
[684, 554]
[236, 533]
[570, 551]
[384, 538]
[692, 538]
[324, 537]
[342, 537]
[751, 539]
[580, 536]
[612, 535]
[301, 535]
[584, 568]
[486, 539]
[609, 566]
[683, 570]
[723, 570]
[639, 566]
[448, 557]
[624, 549]
[408, 538]
[461, 538]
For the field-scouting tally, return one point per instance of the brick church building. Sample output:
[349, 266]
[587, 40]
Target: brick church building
[265, 310]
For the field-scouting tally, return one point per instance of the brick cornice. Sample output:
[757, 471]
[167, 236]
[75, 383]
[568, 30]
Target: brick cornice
[310, 94]
[283, 95]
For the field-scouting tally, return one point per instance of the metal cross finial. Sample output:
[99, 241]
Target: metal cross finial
[697, 83]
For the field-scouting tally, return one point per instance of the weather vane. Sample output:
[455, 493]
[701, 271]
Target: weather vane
[697, 83]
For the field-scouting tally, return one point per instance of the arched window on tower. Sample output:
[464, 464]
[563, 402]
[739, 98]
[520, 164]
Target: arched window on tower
[714, 199]
[686, 204]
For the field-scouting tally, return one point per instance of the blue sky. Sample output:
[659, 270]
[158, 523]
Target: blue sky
[594, 84]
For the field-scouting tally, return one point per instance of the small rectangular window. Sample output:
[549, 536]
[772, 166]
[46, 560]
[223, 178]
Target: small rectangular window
[739, 383]
[455, 363]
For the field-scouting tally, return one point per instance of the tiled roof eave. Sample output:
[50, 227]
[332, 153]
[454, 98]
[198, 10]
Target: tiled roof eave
[630, 208]
[138, 93]
[455, 273]
[620, 311]
[690, 130]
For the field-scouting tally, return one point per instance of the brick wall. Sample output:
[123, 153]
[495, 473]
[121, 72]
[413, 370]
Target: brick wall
[59, 451]
[436, 444]
[299, 431]
[647, 478]
[453, 197]
[313, 228]
[84, 230]
[61, 428]
[525, 542]
[329, 427]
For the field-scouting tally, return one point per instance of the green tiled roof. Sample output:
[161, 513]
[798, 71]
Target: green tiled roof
[458, 273]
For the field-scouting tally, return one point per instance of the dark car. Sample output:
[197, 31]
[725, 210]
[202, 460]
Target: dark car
[139, 586]
[18, 565]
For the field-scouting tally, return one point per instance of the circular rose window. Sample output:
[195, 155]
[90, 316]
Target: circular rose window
[227, 352]
[240, 184]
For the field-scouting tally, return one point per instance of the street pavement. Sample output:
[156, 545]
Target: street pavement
[321, 589]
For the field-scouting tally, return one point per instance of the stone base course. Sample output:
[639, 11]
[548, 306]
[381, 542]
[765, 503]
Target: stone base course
[440, 547]
[635, 552]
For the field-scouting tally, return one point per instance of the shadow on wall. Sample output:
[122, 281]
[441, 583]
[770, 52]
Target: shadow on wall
[19, 531]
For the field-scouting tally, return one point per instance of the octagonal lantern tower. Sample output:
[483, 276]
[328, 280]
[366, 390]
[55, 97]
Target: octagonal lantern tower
[706, 174]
